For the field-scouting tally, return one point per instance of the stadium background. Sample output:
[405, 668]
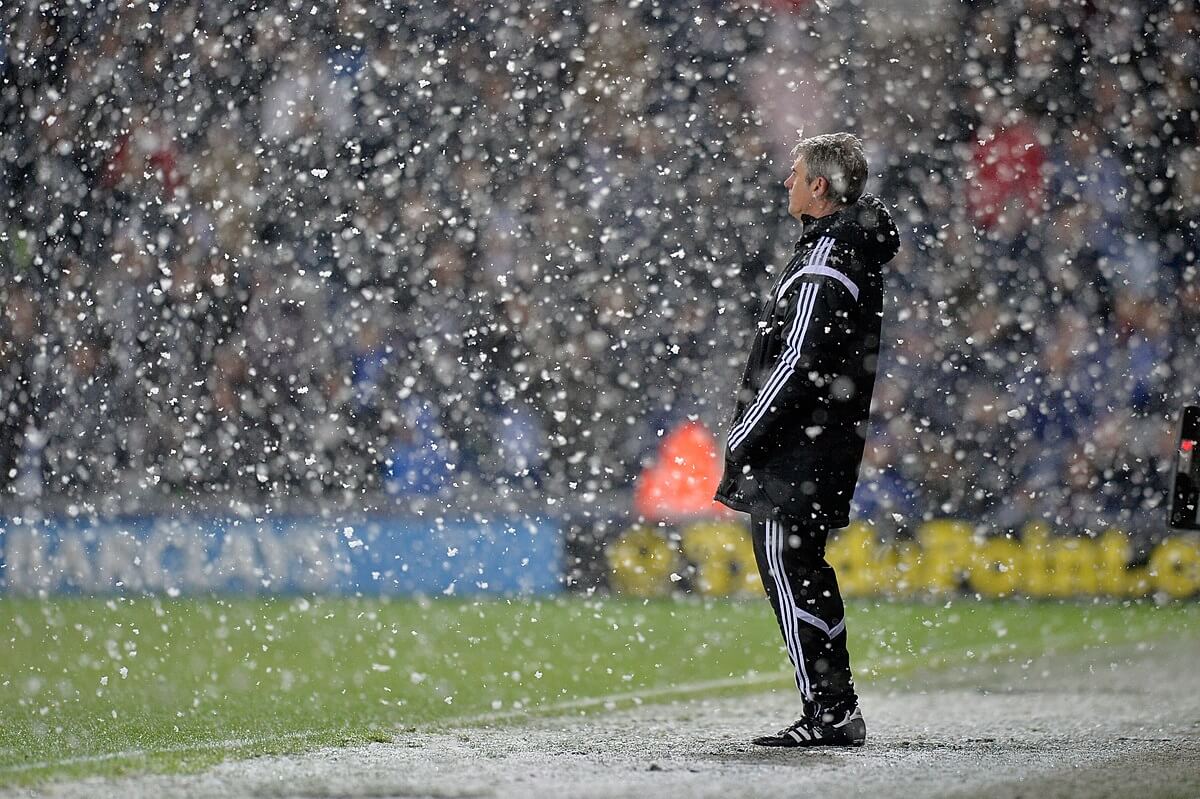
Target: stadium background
[445, 277]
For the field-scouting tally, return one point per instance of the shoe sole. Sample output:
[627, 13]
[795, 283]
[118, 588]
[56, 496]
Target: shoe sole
[808, 744]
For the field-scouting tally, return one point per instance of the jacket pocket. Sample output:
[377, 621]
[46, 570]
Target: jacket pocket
[810, 493]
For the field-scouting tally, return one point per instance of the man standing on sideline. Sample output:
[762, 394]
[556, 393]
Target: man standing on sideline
[797, 436]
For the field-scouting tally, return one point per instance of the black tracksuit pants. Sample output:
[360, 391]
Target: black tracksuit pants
[808, 606]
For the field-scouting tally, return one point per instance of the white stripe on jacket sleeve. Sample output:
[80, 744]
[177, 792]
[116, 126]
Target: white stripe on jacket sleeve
[806, 300]
[817, 259]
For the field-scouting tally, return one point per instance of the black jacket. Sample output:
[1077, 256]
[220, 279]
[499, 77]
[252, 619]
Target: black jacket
[797, 436]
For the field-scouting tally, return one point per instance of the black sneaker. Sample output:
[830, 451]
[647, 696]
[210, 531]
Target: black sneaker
[824, 728]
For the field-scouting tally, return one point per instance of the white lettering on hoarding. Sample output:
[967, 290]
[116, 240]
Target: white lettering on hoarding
[170, 556]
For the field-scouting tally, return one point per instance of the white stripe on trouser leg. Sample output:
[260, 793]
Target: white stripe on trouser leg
[776, 569]
[815, 621]
[787, 606]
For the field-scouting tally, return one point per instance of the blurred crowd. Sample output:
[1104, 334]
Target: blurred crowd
[362, 252]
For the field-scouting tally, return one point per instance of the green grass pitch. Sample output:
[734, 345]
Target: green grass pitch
[116, 685]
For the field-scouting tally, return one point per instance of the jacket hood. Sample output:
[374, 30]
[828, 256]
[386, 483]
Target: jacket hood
[866, 226]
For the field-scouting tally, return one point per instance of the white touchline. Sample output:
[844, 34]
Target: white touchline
[500, 715]
[628, 696]
[228, 743]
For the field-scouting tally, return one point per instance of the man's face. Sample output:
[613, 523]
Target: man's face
[803, 195]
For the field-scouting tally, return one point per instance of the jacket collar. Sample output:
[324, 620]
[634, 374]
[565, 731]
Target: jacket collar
[813, 227]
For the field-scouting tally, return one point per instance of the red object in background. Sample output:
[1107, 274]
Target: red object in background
[1008, 168]
[682, 480]
[140, 152]
[1187, 445]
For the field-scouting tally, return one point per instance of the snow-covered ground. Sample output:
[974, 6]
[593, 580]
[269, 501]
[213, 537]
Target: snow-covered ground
[1102, 724]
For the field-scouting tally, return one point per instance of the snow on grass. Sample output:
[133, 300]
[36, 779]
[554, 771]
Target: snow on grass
[108, 686]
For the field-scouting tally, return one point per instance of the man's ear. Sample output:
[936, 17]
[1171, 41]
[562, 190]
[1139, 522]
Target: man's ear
[821, 187]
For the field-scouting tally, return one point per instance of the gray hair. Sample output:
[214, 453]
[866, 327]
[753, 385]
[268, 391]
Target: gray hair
[839, 158]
